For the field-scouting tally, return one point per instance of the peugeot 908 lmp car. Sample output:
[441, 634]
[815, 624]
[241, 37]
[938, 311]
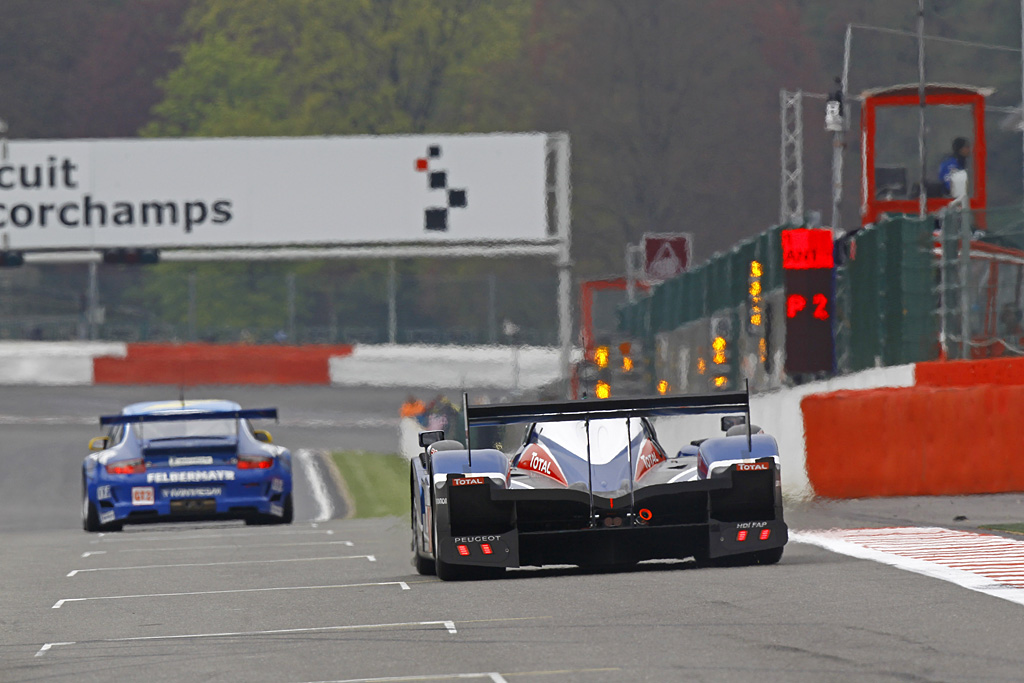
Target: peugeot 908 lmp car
[185, 460]
[592, 485]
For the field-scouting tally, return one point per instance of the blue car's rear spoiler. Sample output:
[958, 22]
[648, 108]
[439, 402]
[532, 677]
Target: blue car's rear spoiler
[563, 411]
[251, 414]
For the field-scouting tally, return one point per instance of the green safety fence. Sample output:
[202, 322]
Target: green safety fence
[886, 293]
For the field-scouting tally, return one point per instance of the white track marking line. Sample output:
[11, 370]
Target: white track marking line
[47, 646]
[348, 544]
[448, 625]
[325, 510]
[402, 584]
[231, 634]
[855, 544]
[173, 535]
[493, 676]
[94, 552]
[369, 558]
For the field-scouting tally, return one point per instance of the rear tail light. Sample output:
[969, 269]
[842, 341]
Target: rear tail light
[463, 550]
[255, 462]
[134, 466]
[765, 533]
[486, 548]
[741, 535]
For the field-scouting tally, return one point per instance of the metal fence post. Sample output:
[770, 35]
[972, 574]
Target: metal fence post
[964, 279]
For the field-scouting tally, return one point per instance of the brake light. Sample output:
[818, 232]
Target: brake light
[741, 535]
[463, 550]
[136, 466]
[486, 548]
[765, 533]
[255, 462]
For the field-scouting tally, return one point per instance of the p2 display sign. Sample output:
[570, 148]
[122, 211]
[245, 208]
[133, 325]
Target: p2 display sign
[808, 265]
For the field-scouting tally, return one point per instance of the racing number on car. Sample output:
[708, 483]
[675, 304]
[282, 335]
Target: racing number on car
[142, 495]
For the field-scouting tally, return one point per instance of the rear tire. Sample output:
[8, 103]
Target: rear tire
[90, 518]
[424, 565]
[289, 511]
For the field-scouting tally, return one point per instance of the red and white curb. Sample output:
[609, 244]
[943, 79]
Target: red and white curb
[981, 562]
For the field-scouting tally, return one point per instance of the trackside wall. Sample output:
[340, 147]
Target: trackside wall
[779, 414]
[954, 432]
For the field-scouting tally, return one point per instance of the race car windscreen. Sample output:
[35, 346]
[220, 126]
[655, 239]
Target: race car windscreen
[607, 437]
[187, 429]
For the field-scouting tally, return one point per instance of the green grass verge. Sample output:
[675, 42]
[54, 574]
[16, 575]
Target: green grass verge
[1011, 528]
[378, 484]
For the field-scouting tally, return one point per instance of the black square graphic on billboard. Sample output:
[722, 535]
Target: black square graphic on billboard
[437, 219]
[434, 151]
[457, 198]
[438, 180]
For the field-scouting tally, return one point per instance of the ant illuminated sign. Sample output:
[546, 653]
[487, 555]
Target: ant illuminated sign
[809, 285]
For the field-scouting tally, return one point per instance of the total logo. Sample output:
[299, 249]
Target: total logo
[748, 467]
[536, 459]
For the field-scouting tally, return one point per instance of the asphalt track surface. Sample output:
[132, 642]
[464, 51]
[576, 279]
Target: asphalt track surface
[337, 600]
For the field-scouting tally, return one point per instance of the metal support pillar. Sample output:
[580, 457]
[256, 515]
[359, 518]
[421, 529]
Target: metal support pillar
[560, 192]
[392, 302]
[922, 195]
[492, 308]
[92, 309]
[192, 306]
[791, 194]
[290, 279]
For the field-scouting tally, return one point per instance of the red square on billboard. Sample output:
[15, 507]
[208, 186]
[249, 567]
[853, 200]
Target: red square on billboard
[666, 255]
[805, 249]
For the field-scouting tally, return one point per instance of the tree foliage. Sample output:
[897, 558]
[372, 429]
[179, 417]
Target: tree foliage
[672, 108]
[256, 67]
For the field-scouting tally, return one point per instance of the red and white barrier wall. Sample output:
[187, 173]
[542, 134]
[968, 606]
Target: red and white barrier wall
[940, 428]
[85, 363]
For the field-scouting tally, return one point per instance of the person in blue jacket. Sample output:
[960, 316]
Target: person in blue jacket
[955, 161]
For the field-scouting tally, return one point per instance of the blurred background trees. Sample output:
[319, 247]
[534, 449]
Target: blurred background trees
[672, 107]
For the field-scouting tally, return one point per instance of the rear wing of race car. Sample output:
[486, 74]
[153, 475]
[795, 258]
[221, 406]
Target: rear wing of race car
[251, 414]
[562, 411]
[599, 409]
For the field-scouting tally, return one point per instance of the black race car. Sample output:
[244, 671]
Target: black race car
[592, 485]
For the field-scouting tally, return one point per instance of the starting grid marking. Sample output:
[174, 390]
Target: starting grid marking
[980, 562]
[447, 625]
[369, 558]
[233, 548]
[402, 584]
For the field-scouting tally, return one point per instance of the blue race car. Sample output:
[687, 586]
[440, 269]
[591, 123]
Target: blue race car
[185, 460]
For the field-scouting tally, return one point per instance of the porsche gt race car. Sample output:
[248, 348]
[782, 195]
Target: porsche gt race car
[169, 461]
[592, 485]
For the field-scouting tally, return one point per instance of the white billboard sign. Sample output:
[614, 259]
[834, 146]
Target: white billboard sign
[240, 192]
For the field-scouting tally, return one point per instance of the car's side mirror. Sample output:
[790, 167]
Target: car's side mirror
[427, 438]
[98, 443]
[263, 435]
[730, 421]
